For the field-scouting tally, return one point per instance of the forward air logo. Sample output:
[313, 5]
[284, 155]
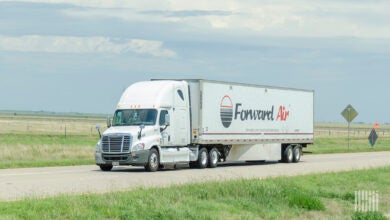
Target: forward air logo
[226, 113]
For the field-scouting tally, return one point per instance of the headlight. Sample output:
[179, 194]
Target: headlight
[139, 146]
[98, 147]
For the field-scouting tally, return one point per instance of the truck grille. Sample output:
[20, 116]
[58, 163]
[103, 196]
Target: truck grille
[116, 144]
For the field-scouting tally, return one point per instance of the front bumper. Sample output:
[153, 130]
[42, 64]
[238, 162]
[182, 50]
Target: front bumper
[136, 158]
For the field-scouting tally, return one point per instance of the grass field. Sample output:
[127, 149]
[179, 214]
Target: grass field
[25, 150]
[320, 196]
[340, 145]
[333, 138]
[32, 140]
[41, 140]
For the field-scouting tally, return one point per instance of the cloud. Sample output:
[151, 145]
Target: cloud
[66, 44]
[300, 18]
[81, 3]
[154, 48]
[272, 18]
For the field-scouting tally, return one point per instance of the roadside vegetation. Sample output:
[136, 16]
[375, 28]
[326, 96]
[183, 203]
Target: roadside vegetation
[38, 150]
[41, 140]
[333, 138]
[38, 139]
[319, 196]
[325, 145]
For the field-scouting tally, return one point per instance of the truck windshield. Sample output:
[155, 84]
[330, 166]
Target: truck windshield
[130, 117]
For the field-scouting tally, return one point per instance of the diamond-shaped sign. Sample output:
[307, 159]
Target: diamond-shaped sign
[349, 113]
[372, 137]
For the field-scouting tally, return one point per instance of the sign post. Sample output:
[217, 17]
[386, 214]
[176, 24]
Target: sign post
[349, 113]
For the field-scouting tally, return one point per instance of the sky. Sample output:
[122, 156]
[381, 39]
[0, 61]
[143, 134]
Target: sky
[79, 56]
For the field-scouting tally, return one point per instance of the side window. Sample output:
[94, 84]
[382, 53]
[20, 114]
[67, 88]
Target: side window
[162, 117]
[180, 93]
[118, 118]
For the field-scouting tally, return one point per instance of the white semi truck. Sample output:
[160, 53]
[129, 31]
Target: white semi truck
[162, 123]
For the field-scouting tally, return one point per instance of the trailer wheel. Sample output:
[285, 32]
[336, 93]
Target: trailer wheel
[288, 154]
[203, 158]
[297, 152]
[213, 157]
[153, 161]
[105, 167]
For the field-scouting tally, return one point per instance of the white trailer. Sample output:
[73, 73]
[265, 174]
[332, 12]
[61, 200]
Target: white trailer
[161, 123]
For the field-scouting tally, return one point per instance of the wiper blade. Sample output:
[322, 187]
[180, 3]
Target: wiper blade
[138, 123]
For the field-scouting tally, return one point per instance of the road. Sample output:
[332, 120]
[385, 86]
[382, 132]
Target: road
[49, 181]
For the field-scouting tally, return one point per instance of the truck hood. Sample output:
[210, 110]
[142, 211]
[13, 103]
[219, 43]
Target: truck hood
[133, 130]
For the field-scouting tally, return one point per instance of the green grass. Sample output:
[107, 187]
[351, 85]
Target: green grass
[11, 139]
[38, 150]
[368, 216]
[340, 145]
[38, 139]
[320, 196]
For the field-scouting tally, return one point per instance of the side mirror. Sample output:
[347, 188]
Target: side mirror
[167, 120]
[108, 121]
[98, 127]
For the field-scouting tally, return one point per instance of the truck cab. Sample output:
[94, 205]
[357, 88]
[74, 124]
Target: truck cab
[150, 127]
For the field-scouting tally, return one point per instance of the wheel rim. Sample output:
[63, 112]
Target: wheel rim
[153, 160]
[214, 157]
[204, 158]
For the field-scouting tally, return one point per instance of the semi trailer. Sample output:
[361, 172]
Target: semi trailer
[162, 123]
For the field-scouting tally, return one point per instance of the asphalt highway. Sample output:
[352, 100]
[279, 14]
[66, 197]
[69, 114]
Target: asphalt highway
[49, 181]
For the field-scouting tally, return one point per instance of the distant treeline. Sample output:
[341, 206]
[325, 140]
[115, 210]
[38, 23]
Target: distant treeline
[53, 114]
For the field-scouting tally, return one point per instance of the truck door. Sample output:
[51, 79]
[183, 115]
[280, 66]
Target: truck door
[180, 120]
[170, 152]
[166, 133]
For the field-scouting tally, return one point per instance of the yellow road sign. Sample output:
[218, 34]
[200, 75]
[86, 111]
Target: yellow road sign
[349, 113]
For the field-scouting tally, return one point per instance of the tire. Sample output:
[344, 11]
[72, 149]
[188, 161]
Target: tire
[203, 158]
[106, 167]
[153, 161]
[297, 153]
[288, 154]
[213, 158]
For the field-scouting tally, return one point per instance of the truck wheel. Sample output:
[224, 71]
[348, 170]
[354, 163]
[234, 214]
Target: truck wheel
[105, 167]
[297, 152]
[153, 161]
[288, 154]
[213, 158]
[203, 158]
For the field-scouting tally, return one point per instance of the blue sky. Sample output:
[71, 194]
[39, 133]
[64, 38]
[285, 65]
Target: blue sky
[78, 56]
